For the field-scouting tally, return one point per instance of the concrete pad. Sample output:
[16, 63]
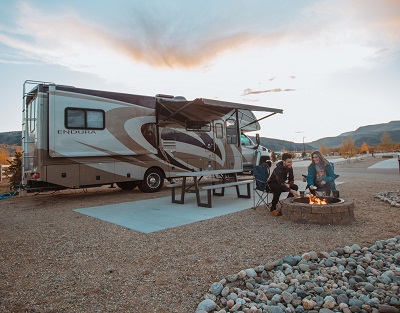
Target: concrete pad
[156, 214]
[160, 213]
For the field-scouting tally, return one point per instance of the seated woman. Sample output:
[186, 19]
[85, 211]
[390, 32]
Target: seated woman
[321, 176]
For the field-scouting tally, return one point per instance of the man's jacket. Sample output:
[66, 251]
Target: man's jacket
[281, 175]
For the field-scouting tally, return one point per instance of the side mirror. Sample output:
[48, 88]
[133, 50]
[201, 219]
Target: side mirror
[257, 139]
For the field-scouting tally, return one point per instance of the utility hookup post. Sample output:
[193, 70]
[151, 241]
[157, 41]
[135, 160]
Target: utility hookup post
[398, 159]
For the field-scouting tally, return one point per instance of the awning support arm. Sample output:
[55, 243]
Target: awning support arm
[258, 120]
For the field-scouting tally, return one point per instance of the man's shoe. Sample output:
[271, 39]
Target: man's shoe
[276, 213]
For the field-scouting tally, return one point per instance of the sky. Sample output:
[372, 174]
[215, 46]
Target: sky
[331, 65]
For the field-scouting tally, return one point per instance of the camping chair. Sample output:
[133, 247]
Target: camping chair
[261, 187]
[333, 183]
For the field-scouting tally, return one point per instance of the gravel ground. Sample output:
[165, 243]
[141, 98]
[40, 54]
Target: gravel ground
[53, 259]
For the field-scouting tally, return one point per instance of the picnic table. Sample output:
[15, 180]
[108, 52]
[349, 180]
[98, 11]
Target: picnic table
[227, 178]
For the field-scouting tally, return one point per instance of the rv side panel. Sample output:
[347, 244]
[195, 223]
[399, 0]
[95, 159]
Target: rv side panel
[83, 125]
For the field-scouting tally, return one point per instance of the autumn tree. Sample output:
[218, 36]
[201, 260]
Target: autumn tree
[3, 156]
[347, 148]
[273, 156]
[323, 149]
[14, 171]
[386, 142]
[364, 148]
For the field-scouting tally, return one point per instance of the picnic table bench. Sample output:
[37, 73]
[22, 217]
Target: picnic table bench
[193, 187]
[226, 185]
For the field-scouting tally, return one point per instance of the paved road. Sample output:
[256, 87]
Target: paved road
[390, 163]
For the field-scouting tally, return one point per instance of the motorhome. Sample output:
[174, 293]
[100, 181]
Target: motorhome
[78, 138]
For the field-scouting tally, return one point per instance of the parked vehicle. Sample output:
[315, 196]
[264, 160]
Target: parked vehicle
[75, 137]
[250, 150]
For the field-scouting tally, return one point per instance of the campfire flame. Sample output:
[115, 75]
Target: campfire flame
[316, 200]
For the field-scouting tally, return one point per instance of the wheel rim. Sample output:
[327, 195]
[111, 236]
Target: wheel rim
[153, 181]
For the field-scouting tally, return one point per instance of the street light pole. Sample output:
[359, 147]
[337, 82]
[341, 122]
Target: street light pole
[294, 149]
[304, 146]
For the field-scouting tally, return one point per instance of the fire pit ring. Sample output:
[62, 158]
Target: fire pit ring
[336, 212]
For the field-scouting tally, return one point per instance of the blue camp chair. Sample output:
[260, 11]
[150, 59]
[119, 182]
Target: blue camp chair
[261, 188]
[333, 183]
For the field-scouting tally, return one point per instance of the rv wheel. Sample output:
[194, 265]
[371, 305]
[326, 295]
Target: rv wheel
[128, 185]
[153, 181]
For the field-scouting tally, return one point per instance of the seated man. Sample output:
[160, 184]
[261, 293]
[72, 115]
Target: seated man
[281, 180]
[321, 176]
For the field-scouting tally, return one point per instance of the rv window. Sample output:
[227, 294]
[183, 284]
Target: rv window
[198, 126]
[219, 130]
[95, 119]
[84, 118]
[149, 132]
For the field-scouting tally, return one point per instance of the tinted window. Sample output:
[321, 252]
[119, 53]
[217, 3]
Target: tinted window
[84, 118]
[198, 126]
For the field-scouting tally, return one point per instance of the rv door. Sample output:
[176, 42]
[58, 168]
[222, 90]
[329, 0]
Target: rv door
[233, 149]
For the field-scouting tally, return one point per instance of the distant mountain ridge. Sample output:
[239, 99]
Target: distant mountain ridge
[11, 138]
[370, 134]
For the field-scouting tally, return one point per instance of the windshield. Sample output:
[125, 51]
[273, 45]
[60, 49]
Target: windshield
[246, 141]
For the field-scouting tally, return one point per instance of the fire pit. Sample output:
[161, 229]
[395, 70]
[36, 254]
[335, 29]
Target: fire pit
[333, 211]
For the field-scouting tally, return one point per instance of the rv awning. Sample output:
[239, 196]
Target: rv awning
[239, 106]
[206, 109]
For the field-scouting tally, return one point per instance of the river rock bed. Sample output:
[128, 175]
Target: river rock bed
[348, 279]
[391, 197]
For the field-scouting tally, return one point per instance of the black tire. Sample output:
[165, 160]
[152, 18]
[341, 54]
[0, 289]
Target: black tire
[153, 180]
[128, 185]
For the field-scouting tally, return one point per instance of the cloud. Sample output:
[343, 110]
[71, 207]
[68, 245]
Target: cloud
[154, 35]
[186, 35]
[248, 91]
[15, 62]
[373, 23]
[381, 19]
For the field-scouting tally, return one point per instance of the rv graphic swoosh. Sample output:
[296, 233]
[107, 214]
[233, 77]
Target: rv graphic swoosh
[207, 139]
[186, 138]
[173, 161]
[118, 129]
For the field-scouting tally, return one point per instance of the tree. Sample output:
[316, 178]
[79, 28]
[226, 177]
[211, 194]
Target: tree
[347, 148]
[323, 149]
[14, 171]
[364, 148]
[3, 156]
[386, 142]
[273, 156]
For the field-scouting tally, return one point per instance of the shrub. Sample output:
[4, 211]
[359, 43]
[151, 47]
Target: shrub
[14, 171]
